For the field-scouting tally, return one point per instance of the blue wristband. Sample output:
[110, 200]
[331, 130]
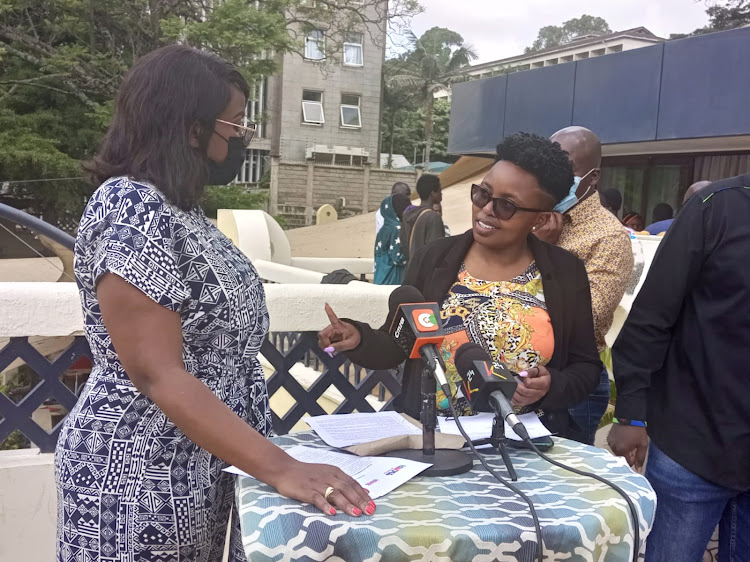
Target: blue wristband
[621, 421]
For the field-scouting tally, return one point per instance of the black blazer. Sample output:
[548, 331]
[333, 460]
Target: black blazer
[574, 367]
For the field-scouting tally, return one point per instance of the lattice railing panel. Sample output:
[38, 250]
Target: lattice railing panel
[282, 350]
[48, 388]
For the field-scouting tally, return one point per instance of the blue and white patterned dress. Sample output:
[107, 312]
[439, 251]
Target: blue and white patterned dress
[131, 486]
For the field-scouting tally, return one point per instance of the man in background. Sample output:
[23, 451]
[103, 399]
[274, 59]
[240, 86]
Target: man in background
[693, 189]
[611, 199]
[663, 216]
[591, 232]
[421, 225]
[398, 187]
[680, 369]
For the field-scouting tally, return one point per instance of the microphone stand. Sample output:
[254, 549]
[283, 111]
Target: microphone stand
[445, 462]
[497, 439]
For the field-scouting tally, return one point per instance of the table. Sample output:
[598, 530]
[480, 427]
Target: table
[469, 517]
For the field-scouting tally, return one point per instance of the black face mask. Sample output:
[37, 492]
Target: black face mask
[222, 174]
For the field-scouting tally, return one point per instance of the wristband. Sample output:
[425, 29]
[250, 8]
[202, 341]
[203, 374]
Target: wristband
[621, 421]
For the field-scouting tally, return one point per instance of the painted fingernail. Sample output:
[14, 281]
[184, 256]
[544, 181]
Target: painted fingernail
[332, 512]
[356, 511]
[372, 503]
[329, 351]
[370, 510]
[523, 374]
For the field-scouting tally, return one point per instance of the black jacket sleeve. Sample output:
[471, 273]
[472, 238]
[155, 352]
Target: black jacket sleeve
[574, 382]
[377, 349]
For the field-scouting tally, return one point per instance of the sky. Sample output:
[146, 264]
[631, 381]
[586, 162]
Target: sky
[504, 28]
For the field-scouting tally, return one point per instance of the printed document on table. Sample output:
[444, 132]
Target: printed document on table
[533, 424]
[380, 475]
[345, 430]
[479, 426]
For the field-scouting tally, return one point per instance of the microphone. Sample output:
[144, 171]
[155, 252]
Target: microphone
[485, 385]
[417, 329]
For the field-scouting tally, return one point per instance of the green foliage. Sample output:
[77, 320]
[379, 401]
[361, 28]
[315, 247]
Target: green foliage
[435, 61]
[23, 378]
[407, 131]
[62, 61]
[556, 35]
[231, 197]
[729, 14]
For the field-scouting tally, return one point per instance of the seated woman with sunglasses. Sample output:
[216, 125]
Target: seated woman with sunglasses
[527, 303]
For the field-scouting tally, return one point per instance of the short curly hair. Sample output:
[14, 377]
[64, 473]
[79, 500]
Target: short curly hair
[542, 158]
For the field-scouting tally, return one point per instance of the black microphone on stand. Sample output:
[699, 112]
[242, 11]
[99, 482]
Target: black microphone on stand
[488, 386]
[417, 329]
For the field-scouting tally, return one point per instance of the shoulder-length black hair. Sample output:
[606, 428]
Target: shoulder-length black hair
[162, 98]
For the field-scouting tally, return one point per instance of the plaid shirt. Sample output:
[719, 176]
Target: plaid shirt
[596, 236]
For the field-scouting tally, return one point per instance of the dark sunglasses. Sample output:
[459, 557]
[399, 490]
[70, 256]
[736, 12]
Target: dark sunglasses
[502, 208]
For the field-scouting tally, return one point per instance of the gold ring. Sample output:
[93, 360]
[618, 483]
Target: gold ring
[328, 492]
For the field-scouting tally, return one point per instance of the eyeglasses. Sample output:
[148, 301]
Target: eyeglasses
[502, 208]
[246, 133]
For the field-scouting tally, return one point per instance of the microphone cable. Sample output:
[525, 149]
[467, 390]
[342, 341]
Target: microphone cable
[615, 487]
[534, 516]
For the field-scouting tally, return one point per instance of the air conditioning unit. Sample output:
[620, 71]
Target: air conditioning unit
[341, 155]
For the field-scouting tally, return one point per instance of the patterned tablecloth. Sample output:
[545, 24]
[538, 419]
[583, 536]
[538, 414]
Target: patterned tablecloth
[470, 517]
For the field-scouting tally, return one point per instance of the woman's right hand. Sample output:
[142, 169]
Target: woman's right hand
[341, 336]
[308, 483]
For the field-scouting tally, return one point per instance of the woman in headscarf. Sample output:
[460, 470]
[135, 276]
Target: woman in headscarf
[390, 263]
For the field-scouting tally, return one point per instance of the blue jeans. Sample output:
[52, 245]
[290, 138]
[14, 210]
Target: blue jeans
[588, 414]
[688, 509]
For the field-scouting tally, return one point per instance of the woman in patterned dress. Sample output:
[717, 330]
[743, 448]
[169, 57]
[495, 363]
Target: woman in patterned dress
[175, 316]
[525, 302]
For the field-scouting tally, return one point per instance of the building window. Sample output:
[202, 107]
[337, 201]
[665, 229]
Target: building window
[312, 107]
[256, 109]
[350, 116]
[254, 166]
[597, 52]
[353, 49]
[615, 49]
[315, 45]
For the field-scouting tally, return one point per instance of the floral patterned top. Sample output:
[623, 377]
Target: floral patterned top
[508, 319]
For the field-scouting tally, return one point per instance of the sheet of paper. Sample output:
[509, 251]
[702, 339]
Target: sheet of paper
[380, 475]
[476, 427]
[533, 424]
[345, 430]
[480, 426]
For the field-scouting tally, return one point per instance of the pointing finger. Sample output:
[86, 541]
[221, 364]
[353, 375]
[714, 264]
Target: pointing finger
[333, 319]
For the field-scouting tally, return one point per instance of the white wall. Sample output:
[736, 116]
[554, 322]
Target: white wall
[28, 506]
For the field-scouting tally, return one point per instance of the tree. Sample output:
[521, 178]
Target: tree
[435, 62]
[556, 35]
[61, 63]
[729, 14]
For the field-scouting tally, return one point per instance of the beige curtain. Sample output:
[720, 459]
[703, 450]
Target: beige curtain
[721, 166]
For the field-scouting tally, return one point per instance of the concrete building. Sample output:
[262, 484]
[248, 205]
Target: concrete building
[581, 48]
[321, 107]
[668, 115]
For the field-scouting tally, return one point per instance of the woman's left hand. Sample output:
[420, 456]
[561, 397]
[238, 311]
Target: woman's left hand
[533, 387]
